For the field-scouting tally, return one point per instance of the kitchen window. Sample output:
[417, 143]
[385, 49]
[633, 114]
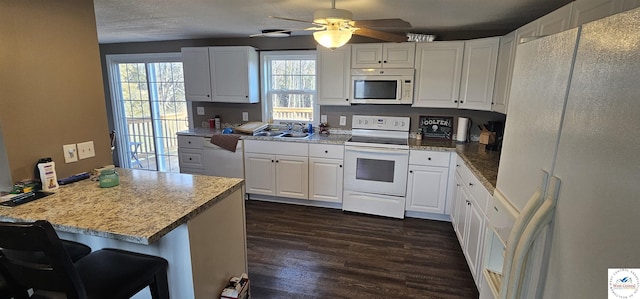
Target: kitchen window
[289, 86]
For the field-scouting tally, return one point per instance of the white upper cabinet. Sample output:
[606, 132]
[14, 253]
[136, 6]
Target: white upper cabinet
[383, 55]
[197, 78]
[221, 74]
[438, 73]
[506, 55]
[478, 73]
[334, 70]
[234, 74]
[556, 21]
[585, 11]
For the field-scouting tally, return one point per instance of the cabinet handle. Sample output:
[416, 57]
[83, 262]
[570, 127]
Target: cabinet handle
[455, 101]
[189, 159]
[468, 203]
[326, 152]
[429, 158]
[340, 166]
[277, 161]
[208, 96]
[379, 61]
[470, 184]
[272, 161]
[461, 102]
[385, 61]
[189, 142]
[457, 165]
[457, 185]
[346, 100]
[410, 171]
[246, 96]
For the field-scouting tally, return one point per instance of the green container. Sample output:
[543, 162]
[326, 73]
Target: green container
[109, 178]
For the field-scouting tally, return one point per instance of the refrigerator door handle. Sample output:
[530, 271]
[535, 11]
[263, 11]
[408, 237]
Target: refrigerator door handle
[542, 217]
[519, 226]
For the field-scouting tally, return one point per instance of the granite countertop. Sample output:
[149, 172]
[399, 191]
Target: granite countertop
[142, 209]
[483, 164]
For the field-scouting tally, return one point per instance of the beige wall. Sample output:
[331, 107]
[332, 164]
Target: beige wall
[52, 92]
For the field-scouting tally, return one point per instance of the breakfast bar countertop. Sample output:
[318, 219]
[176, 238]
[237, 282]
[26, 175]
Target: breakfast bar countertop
[142, 209]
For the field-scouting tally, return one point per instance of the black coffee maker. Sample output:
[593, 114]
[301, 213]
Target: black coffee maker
[498, 128]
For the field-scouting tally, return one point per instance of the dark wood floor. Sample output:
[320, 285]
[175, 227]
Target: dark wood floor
[307, 252]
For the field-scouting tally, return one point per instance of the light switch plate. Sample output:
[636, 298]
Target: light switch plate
[86, 150]
[323, 118]
[70, 153]
[245, 116]
[200, 110]
[343, 120]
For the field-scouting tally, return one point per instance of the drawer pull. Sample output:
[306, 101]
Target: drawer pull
[410, 171]
[429, 158]
[470, 184]
[340, 166]
[189, 159]
[272, 161]
[326, 152]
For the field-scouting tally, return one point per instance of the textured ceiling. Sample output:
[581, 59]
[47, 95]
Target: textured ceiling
[154, 20]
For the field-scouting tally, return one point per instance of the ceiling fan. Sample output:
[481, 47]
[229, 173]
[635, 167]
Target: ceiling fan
[334, 27]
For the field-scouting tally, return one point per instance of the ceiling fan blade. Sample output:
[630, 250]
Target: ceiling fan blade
[383, 23]
[385, 36]
[271, 32]
[289, 19]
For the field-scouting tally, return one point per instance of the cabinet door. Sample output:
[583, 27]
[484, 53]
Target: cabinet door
[556, 21]
[398, 55]
[585, 11]
[474, 238]
[526, 31]
[197, 78]
[334, 74]
[234, 74]
[325, 180]
[260, 173]
[504, 70]
[190, 158]
[292, 176]
[460, 209]
[427, 189]
[365, 56]
[478, 73]
[438, 72]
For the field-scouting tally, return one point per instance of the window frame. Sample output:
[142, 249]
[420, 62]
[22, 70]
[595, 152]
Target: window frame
[265, 79]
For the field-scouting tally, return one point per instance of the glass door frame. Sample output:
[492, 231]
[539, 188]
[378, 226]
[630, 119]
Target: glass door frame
[122, 134]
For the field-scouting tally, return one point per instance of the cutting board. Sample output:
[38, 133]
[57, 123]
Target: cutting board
[251, 127]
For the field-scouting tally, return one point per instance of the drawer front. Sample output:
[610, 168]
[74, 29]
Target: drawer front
[190, 141]
[329, 151]
[190, 158]
[277, 147]
[429, 158]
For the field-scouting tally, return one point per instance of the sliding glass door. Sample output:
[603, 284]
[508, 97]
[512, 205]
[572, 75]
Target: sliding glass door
[149, 107]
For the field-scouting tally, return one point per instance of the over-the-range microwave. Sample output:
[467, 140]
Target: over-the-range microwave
[382, 86]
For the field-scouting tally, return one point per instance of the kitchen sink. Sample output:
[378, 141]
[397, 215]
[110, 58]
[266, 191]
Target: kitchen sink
[268, 133]
[294, 135]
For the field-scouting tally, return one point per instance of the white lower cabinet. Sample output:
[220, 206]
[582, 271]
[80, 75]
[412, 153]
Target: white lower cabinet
[469, 218]
[427, 181]
[277, 168]
[326, 172]
[190, 154]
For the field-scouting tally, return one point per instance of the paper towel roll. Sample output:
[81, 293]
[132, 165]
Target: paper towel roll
[463, 125]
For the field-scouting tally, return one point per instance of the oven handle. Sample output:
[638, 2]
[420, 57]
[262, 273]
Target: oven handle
[375, 150]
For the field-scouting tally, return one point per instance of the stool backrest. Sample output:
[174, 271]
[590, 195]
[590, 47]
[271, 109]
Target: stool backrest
[32, 256]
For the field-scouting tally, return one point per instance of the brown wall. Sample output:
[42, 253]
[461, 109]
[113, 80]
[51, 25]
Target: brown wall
[52, 90]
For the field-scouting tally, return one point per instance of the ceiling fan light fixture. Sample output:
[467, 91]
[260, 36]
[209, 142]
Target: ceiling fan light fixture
[332, 39]
[324, 16]
[276, 33]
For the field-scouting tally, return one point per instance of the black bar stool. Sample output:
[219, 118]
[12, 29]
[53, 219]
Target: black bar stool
[75, 250]
[103, 274]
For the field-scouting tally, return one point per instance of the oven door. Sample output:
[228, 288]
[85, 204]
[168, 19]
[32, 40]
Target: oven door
[376, 170]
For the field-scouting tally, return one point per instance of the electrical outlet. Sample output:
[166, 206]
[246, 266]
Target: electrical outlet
[200, 110]
[343, 120]
[85, 150]
[323, 118]
[70, 153]
[245, 116]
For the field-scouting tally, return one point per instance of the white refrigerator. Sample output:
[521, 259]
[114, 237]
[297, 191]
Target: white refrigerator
[574, 114]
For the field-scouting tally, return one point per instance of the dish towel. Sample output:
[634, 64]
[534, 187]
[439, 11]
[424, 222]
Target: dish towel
[226, 141]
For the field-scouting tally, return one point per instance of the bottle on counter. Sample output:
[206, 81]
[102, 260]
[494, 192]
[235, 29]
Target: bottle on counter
[218, 124]
[47, 172]
[419, 134]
